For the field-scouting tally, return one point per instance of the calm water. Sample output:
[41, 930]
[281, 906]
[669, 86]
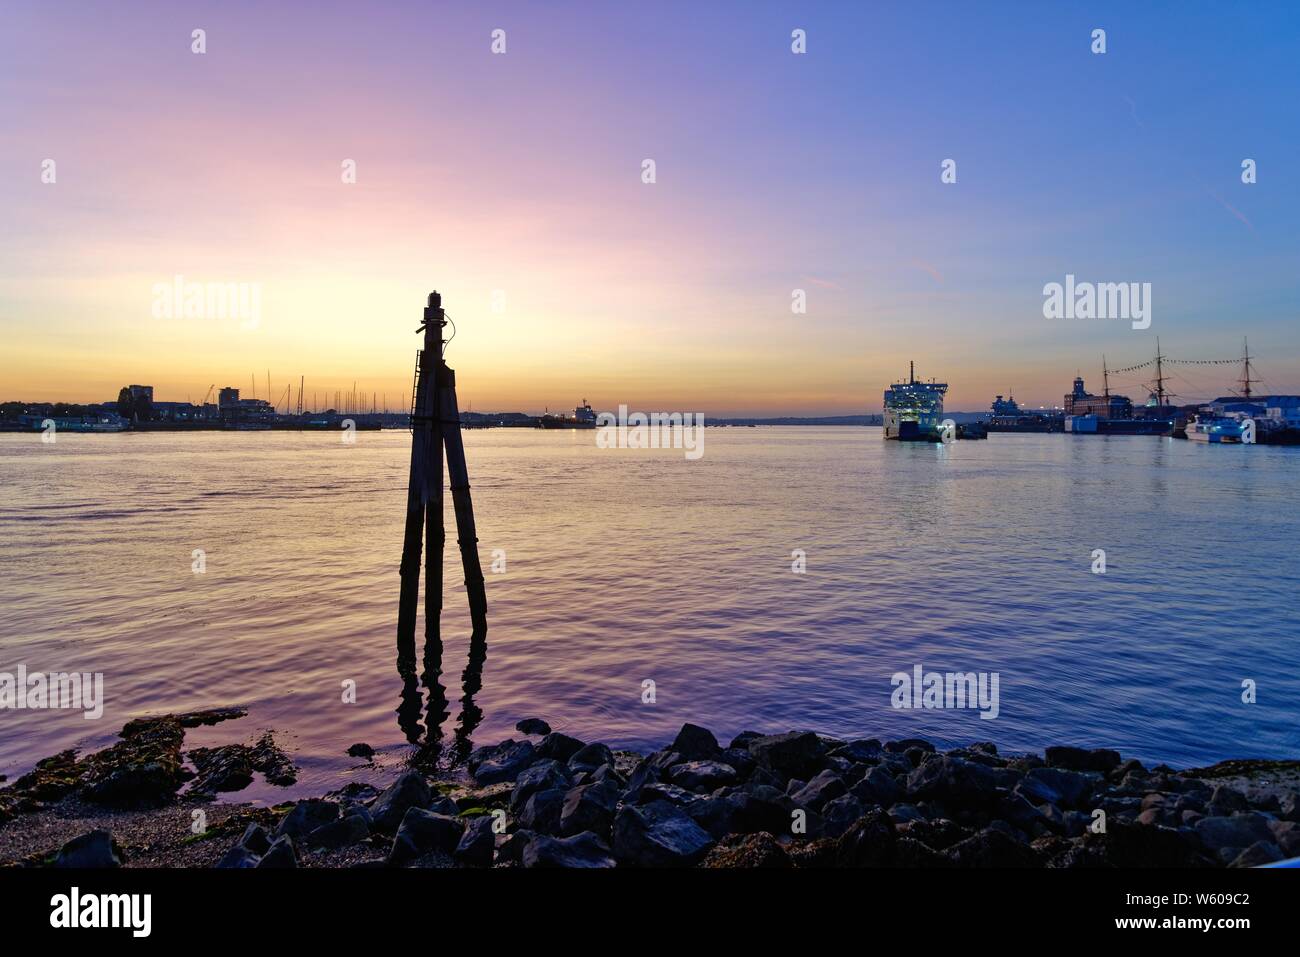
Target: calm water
[623, 566]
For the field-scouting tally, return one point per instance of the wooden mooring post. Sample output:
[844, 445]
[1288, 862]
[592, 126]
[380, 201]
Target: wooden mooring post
[435, 425]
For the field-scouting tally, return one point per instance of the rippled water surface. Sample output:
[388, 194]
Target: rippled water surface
[624, 566]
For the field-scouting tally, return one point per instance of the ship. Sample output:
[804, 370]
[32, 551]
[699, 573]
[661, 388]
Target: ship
[913, 409]
[584, 417]
[1216, 429]
[1006, 415]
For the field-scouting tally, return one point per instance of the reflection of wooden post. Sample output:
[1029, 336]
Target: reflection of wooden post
[467, 534]
[435, 423]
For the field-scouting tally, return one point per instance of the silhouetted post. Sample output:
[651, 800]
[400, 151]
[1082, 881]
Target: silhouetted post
[435, 423]
[467, 534]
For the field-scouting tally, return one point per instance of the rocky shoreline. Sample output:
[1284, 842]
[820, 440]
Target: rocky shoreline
[796, 799]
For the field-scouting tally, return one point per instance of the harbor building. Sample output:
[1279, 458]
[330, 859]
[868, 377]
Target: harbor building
[1082, 402]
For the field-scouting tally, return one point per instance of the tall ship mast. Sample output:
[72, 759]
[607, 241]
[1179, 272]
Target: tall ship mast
[913, 409]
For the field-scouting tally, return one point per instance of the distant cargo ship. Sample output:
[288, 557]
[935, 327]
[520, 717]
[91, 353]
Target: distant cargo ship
[584, 417]
[913, 410]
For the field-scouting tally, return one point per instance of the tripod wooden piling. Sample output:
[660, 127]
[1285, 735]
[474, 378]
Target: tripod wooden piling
[435, 423]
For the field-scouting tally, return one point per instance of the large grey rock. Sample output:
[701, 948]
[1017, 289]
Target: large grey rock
[578, 850]
[238, 858]
[953, 780]
[795, 754]
[1259, 853]
[343, 832]
[306, 816]
[533, 726]
[408, 791]
[501, 762]
[280, 854]
[477, 843]
[1239, 831]
[879, 787]
[1059, 787]
[590, 757]
[545, 775]
[869, 842]
[422, 832]
[589, 808]
[702, 776]
[992, 847]
[91, 850]
[658, 835]
[559, 747]
[1081, 759]
[541, 812]
[840, 814]
[694, 743]
[825, 786]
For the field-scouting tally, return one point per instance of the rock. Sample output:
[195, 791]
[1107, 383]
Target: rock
[869, 841]
[1056, 786]
[533, 726]
[1078, 759]
[907, 744]
[909, 852]
[792, 755]
[839, 815]
[231, 767]
[903, 813]
[94, 849]
[501, 762]
[740, 760]
[762, 808]
[423, 831]
[144, 769]
[546, 775]
[1225, 801]
[879, 787]
[559, 747]
[361, 751]
[541, 812]
[511, 848]
[694, 743]
[749, 850]
[658, 835]
[306, 817]
[861, 751]
[589, 808]
[255, 839]
[716, 814]
[648, 770]
[1238, 831]
[1289, 807]
[590, 757]
[408, 791]
[663, 791]
[1128, 845]
[742, 740]
[992, 848]
[478, 842]
[939, 834]
[1261, 852]
[279, 854]
[825, 787]
[343, 832]
[702, 776]
[579, 850]
[239, 858]
[952, 780]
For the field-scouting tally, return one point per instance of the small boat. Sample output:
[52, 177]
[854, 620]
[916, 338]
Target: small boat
[1217, 430]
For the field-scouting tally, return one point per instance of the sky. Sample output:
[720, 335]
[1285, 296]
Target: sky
[513, 184]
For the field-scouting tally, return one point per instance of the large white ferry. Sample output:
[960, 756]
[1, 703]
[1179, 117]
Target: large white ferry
[913, 410]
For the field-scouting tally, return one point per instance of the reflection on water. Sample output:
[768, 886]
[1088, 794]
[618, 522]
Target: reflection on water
[628, 565]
